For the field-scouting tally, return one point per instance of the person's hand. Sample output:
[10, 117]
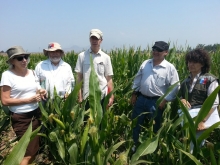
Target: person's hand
[35, 98]
[80, 99]
[201, 126]
[66, 95]
[162, 104]
[133, 99]
[185, 103]
[43, 94]
[110, 101]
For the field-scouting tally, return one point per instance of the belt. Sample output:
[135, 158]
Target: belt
[150, 98]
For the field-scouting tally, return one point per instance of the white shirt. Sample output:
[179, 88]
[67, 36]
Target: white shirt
[155, 80]
[102, 66]
[60, 77]
[21, 87]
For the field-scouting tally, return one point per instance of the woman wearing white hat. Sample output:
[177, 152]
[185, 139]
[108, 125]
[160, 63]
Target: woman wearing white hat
[21, 92]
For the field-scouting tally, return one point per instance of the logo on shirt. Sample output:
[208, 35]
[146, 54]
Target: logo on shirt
[203, 81]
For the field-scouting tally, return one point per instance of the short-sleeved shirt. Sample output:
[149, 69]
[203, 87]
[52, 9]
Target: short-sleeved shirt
[21, 87]
[155, 80]
[60, 76]
[102, 66]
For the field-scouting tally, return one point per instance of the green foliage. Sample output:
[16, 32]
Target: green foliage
[75, 135]
[15, 157]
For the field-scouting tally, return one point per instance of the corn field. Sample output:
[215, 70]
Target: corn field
[72, 135]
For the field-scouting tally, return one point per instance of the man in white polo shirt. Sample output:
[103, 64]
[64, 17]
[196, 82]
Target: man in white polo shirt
[102, 66]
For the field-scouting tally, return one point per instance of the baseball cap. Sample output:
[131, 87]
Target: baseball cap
[97, 33]
[161, 45]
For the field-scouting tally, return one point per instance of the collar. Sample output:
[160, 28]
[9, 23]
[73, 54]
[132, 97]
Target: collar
[49, 62]
[163, 63]
[197, 76]
[99, 52]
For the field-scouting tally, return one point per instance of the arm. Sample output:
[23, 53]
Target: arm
[70, 81]
[136, 85]
[211, 88]
[110, 88]
[8, 101]
[79, 79]
[174, 78]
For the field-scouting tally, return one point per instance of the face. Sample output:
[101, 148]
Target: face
[55, 56]
[158, 54]
[95, 42]
[20, 61]
[194, 67]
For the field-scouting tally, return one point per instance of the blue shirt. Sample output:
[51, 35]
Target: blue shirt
[155, 80]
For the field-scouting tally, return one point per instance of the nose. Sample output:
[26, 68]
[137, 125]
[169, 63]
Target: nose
[190, 63]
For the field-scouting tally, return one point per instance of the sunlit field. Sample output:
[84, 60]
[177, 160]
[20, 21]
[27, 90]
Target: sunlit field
[106, 138]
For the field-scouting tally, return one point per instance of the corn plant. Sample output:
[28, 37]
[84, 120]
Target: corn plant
[106, 137]
[71, 139]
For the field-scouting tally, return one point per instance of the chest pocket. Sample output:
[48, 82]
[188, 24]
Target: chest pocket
[160, 81]
[101, 68]
[200, 87]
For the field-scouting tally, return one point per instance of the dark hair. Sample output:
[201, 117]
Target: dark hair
[199, 56]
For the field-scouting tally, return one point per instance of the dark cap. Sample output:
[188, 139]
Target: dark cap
[161, 45]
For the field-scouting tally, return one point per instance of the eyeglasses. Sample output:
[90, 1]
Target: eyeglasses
[20, 58]
[157, 49]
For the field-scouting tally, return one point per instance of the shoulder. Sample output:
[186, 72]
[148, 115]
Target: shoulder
[43, 62]
[146, 62]
[103, 53]
[7, 73]
[8, 76]
[65, 64]
[209, 76]
[83, 53]
[169, 65]
[185, 80]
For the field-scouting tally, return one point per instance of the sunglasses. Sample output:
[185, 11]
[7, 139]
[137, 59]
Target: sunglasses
[20, 58]
[157, 49]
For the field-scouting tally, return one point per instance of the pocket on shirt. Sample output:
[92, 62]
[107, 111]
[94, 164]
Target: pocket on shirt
[101, 68]
[160, 81]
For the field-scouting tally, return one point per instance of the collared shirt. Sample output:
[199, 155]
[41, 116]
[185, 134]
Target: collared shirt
[60, 77]
[211, 88]
[102, 66]
[155, 80]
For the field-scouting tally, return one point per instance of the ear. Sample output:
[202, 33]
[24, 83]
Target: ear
[165, 52]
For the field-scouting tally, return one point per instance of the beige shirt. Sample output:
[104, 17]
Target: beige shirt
[102, 66]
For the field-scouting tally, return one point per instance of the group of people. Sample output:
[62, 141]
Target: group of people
[22, 88]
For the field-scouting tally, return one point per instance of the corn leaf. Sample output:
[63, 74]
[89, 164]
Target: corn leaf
[73, 152]
[94, 96]
[109, 152]
[147, 147]
[17, 154]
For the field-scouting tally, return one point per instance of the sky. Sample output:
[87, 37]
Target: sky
[32, 24]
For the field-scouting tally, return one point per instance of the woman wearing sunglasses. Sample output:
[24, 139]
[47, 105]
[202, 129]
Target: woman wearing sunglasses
[21, 92]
